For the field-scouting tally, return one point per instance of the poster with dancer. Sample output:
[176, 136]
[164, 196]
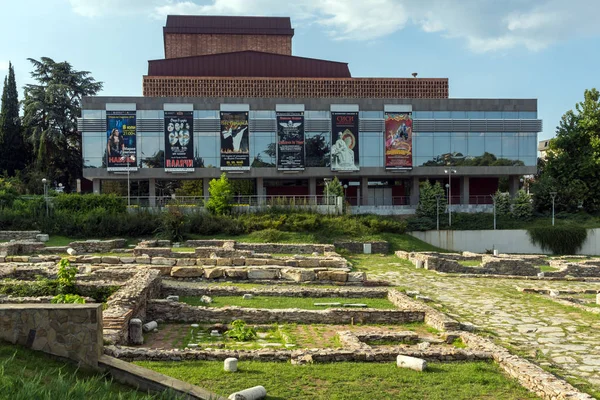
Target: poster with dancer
[179, 141]
[235, 143]
[121, 143]
[344, 139]
[290, 141]
[398, 140]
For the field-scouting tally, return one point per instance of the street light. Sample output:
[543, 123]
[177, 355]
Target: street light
[449, 186]
[437, 210]
[553, 195]
[45, 182]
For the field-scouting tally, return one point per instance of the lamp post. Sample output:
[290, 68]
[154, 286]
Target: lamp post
[553, 195]
[437, 210]
[449, 171]
[128, 186]
[45, 182]
[494, 201]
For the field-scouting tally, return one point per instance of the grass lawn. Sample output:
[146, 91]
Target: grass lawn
[305, 303]
[477, 380]
[27, 374]
[470, 263]
[547, 268]
[57, 240]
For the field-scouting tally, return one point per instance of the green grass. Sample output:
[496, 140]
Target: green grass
[305, 303]
[547, 268]
[337, 381]
[57, 240]
[470, 263]
[29, 375]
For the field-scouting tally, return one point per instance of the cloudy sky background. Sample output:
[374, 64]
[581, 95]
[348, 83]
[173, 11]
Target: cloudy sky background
[544, 49]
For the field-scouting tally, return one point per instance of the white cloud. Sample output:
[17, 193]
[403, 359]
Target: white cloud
[484, 25]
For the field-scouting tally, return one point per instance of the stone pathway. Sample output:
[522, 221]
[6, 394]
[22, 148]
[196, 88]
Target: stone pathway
[529, 324]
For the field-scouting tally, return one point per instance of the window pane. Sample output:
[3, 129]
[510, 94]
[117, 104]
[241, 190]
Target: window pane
[317, 148]
[458, 114]
[458, 145]
[527, 144]
[423, 144]
[371, 149]
[527, 114]
[493, 144]
[441, 114]
[210, 114]
[262, 114]
[317, 114]
[262, 149]
[476, 144]
[207, 150]
[152, 149]
[475, 114]
[91, 114]
[510, 114]
[493, 114]
[150, 114]
[510, 145]
[371, 114]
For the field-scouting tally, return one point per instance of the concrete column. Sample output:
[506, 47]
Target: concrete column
[96, 183]
[414, 191]
[260, 190]
[364, 191]
[152, 192]
[312, 190]
[513, 185]
[464, 190]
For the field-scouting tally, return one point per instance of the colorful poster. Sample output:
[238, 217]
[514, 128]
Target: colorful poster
[235, 144]
[398, 140]
[344, 139]
[121, 143]
[179, 141]
[290, 141]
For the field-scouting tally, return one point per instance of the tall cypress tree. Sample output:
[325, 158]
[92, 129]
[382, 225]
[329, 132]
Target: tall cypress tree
[13, 151]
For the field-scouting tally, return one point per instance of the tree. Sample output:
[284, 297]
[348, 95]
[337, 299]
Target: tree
[522, 209]
[334, 188]
[14, 154]
[428, 195]
[502, 201]
[221, 196]
[51, 109]
[572, 167]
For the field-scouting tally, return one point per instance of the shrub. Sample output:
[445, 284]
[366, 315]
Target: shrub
[87, 202]
[221, 196]
[428, 199]
[421, 223]
[522, 207]
[502, 203]
[566, 239]
[68, 299]
[241, 332]
[172, 224]
[66, 277]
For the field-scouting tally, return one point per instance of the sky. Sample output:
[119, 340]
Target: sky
[543, 49]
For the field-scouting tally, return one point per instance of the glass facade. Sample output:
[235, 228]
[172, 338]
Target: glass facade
[429, 148]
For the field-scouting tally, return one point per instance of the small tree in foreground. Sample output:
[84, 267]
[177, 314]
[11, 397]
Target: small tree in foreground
[522, 206]
[221, 196]
[502, 201]
[427, 206]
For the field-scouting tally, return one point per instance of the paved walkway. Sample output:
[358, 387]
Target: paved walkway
[532, 325]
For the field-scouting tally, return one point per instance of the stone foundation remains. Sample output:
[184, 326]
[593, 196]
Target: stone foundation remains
[377, 247]
[98, 246]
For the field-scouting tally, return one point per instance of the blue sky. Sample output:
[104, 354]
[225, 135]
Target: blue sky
[544, 49]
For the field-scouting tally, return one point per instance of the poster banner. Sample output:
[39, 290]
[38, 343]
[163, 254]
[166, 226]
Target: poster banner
[121, 143]
[344, 139]
[290, 141]
[398, 140]
[235, 143]
[179, 141]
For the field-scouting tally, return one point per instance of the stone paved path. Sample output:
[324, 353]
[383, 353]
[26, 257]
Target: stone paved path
[548, 333]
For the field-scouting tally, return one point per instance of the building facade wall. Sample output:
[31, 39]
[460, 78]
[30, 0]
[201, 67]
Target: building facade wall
[186, 45]
[348, 88]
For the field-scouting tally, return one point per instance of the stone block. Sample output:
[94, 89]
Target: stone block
[247, 296]
[42, 237]
[291, 263]
[413, 363]
[230, 364]
[260, 273]
[206, 299]
[71, 251]
[165, 270]
[238, 261]
[334, 276]
[163, 261]
[236, 273]
[213, 273]
[253, 393]
[332, 263]
[309, 263]
[357, 277]
[186, 262]
[150, 326]
[127, 260]
[206, 261]
[598, 298]
[136, 335]
[298, 275]
[111, 260]
[173, 297]
[224, 261]
[256, 261]
[143, 259]
[187, 272]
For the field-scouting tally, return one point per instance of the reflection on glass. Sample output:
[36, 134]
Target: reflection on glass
[317, 148]
[510, 145]
[207, 150]
[152, 149]
[263, 150]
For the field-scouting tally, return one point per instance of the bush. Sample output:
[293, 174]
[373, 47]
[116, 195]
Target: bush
[221, 196]
[172, 224]
[111, 203]
[66, 276]
[502, 203]
[522, 208]
[421, 223]
[42, 287]
[428, 199]
[68, 299]
[566, 239]
[240, 331]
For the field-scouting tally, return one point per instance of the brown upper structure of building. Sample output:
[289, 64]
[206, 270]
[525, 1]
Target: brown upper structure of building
[214, 56]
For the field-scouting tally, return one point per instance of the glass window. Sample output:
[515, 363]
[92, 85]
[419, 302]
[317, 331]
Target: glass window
[510, 114]
[458, 114]
[151, 148]
[476, 144]
[528, 114]
[441, 143]
[150, 114]
[419, 161]
[93, 114]
[423, 114]
[458, 144]
[93, 150]
[423, 144]
[262, 114]
[317, 114]
[371, 149]
[317, 146]
[493, 143]
[475, 114]
[510, 145]
[527, 144]
[441, 114]
[210, 114]
[493, 114]
[371, 114]
[529, 161]
[207, 150]
[263, 150]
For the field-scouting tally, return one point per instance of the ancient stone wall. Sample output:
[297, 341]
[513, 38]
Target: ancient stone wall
[72, 331]
[433, 317]
[285, 248]
[18, 235]
[171, 311]
[573, 269]
[20, 247]
[98, 246]
[377, 247]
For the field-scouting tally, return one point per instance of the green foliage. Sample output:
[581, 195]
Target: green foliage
[66, 276]
[68, 299]
[98, 293]
[573, 160]
[502, 203]
[51, 108]
[241, 332]
[207, 224]
[428, 201]
[334, 188]
[421, 223]
[41, 287]
[221, 196]
[269, 235]
[565, 239]
[14, 152]
[8, 192]
[110, 203]
[172, 224]
[522, 208]
[190, 188]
